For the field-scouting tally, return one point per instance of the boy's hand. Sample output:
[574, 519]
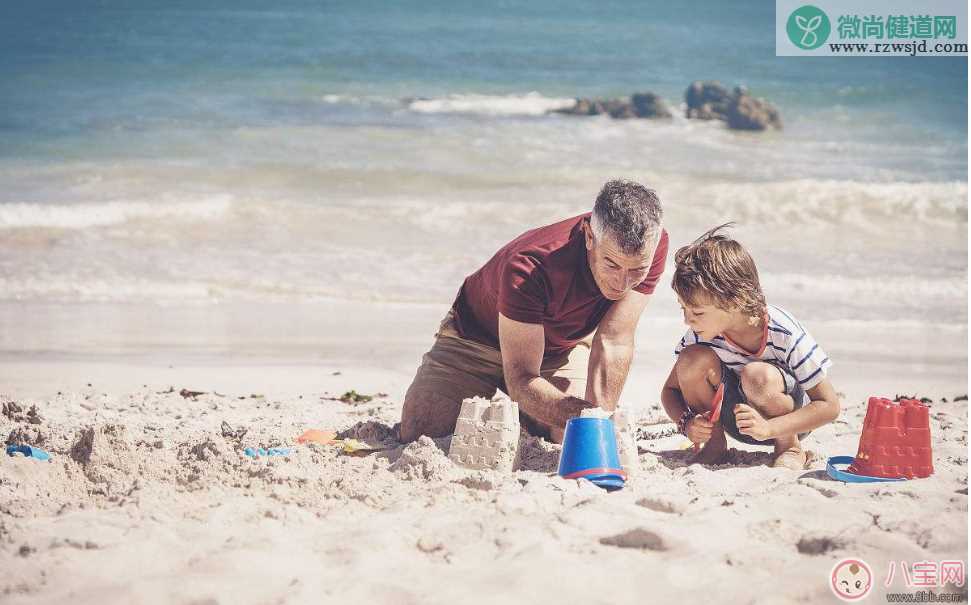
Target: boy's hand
[751, 423]
[698, 429]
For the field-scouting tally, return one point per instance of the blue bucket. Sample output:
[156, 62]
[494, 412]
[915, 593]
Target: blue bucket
[590, 452]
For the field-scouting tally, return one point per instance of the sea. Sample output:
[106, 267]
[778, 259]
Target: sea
[196, 154]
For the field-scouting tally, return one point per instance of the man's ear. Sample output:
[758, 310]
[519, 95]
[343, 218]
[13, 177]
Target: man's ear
[588, 233]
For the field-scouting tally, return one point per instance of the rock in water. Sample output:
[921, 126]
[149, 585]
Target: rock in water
[738, 109]
[706, 101]
[638, 105]
[649, 105]
[748, 113]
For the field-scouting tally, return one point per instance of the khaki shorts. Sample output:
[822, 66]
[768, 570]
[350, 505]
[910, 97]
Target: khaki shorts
[456, 368]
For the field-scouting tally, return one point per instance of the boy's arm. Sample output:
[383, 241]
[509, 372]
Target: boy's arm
[613, 349]
[699, 429]
[671, 398]
[823, 408]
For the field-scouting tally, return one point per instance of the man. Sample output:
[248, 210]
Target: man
[550, 319]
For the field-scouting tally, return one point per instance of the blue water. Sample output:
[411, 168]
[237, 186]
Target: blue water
[72, 70]
[200, 151]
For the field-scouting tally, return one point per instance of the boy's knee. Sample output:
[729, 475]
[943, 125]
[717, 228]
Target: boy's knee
[760, 379]
[696, 362]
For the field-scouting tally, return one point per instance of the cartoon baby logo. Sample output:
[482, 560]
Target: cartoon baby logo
[851, 579]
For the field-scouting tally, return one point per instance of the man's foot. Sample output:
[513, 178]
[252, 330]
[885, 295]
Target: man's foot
[794, 458]
[713, 452]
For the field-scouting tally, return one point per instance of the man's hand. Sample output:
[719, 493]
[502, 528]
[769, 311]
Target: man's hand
[751, 423]
[571, 407]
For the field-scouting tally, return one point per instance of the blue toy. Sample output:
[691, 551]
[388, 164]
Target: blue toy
[253, 452]
[590, 452]
[28, 451]
[848, 477]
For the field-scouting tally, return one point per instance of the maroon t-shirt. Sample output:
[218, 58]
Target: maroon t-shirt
[542, 277]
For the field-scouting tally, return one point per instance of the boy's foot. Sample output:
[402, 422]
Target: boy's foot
[713, 452]
[794, 458]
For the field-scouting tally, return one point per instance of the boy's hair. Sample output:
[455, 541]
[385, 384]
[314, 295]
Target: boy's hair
[715, 269]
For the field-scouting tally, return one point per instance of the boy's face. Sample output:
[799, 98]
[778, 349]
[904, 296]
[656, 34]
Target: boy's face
[705, 318]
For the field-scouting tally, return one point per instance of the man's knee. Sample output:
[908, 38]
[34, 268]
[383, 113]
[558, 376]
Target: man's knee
[696, 363]
[427, 411]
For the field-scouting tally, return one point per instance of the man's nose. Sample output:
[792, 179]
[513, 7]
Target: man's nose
[622, 282]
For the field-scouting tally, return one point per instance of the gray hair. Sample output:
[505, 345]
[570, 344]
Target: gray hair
[630, 212]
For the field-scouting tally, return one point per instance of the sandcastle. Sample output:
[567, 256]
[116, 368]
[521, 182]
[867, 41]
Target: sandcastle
[896, 440]
[624, 433]
[486, 435]
[626, 445]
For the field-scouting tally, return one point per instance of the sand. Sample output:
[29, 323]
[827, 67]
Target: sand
[148, 498]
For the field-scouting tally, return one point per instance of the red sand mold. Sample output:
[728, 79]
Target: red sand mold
[896, 440]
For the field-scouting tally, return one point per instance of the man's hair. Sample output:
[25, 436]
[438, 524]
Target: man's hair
[715, 269]
[629, 212]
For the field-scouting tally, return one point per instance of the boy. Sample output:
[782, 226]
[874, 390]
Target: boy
[773, 372]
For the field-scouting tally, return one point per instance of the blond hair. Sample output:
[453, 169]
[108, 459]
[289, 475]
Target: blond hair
[715, 269]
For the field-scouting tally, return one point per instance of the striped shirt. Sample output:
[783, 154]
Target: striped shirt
[785, 343]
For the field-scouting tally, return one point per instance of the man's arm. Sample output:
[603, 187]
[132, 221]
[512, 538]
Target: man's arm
[613, 350]
[522, 347]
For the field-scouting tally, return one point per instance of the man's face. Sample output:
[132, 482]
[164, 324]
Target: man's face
[616, 272]
[706, 319]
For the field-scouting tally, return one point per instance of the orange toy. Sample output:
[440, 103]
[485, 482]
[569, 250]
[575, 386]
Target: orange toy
[318, 436]
[896, 440]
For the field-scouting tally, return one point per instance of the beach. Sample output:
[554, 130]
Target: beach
[216, 221]
[148, 499]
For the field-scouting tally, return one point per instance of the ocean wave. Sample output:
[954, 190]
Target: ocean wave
[109, 289]
[361, 100]
[82, 216]
[530, 104]
[908, 291]
[844, 203]
[63, 290]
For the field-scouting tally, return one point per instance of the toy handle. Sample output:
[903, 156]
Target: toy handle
[839, 475]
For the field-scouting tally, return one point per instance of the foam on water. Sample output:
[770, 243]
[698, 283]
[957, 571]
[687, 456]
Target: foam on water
[530, 104]
[914, 290]
[847, 204]
[88, 215]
